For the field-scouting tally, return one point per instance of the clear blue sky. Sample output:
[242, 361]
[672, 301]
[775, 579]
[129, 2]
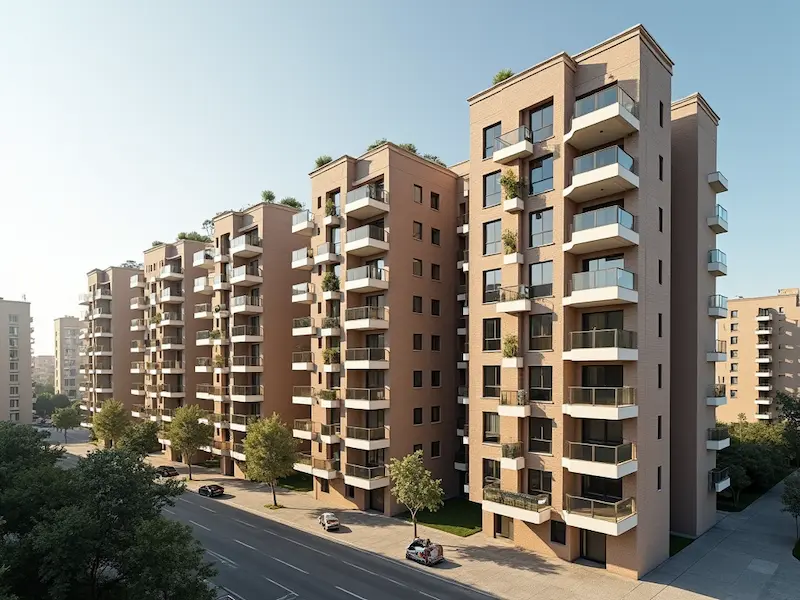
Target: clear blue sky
[126, 122]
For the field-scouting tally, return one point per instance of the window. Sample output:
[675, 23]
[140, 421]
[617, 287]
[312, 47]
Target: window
[436, 414]
[660, 324]
[491, 189]
[492, 237]
[734, 380]
[541, 435]
[436, 307]
[417, 447]
[491, 470]
[734, 327]
[780, 309]
[658, 428]
[13, 390]
[658, 478]
[659, 375]
[661, 167]
[349, 491]
[418, 194]
[491, 381]
[491, 427]
[660, 271]
[734, 354]
[417, 379]
[434, 201]
[417, 233]
[416, 304]
[733, 393]
[734, 314]
[416, 267]
[491, 335]
[542, 122]
[541, 228]
[661, 114]
[418, 415]
[541, 384]
[541, 278]
[542, 175]
[436, 343]
[324, 485]
[436, 237]
[660, 219]
[734, 339]
[436, 379]
[417, 341]
[436, 272]
[490, 134]
[491, 285]
[734, 367]
[540, 482]
[436, 451]
[541, 332]
[558, 532]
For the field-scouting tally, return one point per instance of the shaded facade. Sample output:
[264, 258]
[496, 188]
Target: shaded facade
[16, 380]
[66, 362]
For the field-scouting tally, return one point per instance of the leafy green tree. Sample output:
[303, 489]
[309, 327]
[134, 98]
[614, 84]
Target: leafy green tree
[193, 235]
[408, 148]
[141, 439]
[155, 243]
[66, 418]
[739, 481]
[789, 409]
[187, 434]
[46, 403]
[322, 160]
[434, 159]
[502, 75]
[43, 388]
[375, 144]
[111, 423]
[208, 227]
[790, 497]
[268, 196]
[271, 451]
[414, 486]
[293, 202]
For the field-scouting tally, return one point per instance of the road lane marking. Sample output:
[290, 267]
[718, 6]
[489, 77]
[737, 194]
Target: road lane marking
[232, 593]
[245, 523]
[296, 542]
[200, 526]
[172, 512]
[283, 587]
[375, 574]
[246, 545]
[185, 500]
[223, 559]
[428, 595]
[206, 508]
[351, 593]
[288, 565]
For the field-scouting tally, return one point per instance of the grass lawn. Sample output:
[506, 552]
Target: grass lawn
[678, 543]
[458, 516]
[299, 482]
[796, 551]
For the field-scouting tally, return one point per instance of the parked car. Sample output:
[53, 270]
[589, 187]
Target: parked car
[212, 491]
[329, 521]
[424, 552]
[167, 471]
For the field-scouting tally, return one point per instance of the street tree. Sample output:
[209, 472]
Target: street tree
[111, 422]
[268, 196]
[141, 438]
[66, 418]
[791, 500]
[414, 486]
[47, 403]
[271, 451]
[187, 434]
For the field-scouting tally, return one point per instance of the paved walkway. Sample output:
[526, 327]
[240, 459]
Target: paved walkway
[747, 556]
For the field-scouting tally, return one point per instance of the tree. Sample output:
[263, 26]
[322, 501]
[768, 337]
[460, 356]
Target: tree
[293, 202]
[208, 227]
[375, 144]
[193, 235]
[268, 196]
[414, 486]
[271, 451]
[791, 500]
[43, 388]
[502, 75]
[131, 264]
[434, 159]
[322, 160]
[111, 422]
[789, 409]
[155, 243]
[739, 481]
[141, 439]
[46, 403]
[408, 148]
[66, 418]
[187, 433]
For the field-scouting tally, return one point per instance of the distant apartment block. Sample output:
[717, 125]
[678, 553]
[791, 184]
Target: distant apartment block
[67, 347]
[16, 386]
[44, 367]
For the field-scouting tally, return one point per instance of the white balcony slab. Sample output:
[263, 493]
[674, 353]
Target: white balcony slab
[303, 331]
[516, 411]
[365, 324]
[303, 366]
[605, 413]
[332, 368]
[305, 400]
[601, 126]
[463, 229]
[763, 359]
[359, 365]
[513, 306]
[764, 346]
[597, 239]
[515, 258]
[537, 517]
[513, 205]
[366, 247]
[350, 442]
[366, 404]
[327, 258]
[325, 473]
[463, 399]
[717, 269]
[302, 434]
[763, 388]
[717, 224]
[721, 486]
[601, 354]
[333, 295]
[599, 469]
[718, 182]
[304, 298]
[460, 466]
[306, 227]
[365, 208]
[303, 264]
[609, 295]
[330, 332]
[717, 312]
[204, 314]
[366, 484]
[512, 152]
[763, 416]
[596, 183]
[303, 468]
[718, 444]
[599, 525]
[513, 464]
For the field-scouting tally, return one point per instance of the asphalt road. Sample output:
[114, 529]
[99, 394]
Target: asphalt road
[259, 559]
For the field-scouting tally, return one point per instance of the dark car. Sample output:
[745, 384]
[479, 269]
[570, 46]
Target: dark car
[165, 471]
[212, 491]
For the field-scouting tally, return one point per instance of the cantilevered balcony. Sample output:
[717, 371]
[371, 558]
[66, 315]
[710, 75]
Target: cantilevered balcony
[366, 398]
[303, 361]
[612, 461]
[716, 395]
[602, 403]
[247, 333]
[137, 346]
[366, 477]
[171, 273]
[463, 394]
[137, 281]
[605, 287]
[171, 296]
[364, 318]
[462, 224]
[514, 299]
[303, 259]
[531, 508]
[139, 303]
[204, 364]
[330, 327]
[512, 455]
[172, 342]
[302, 463]
[602, 229]
[717, 438]
[718, 182]
[246, 246]
[366, 438]
[247, 275]
[85, 298]
[366, 358]
[203, 258]
[328, 253]
[329, 398]
[171, 319]
[246, 305]
[717, 263]
[221, 283]
[367, 240]
[462, 262]
[213, 337]
[303, 394]
[602, 345]
[719, 480]
[763, 330]
[763, 358]
[303, 429]
[172, 367]
[608, 517]
[367, 278]
[303, 326]
[325, 468]
[203, 311]
[208, 391]
[138, 324]
[719, 222]
[203, 285]
[717, 306]
[100, 313]
[764, 315]
[246, 364]
[601, 173]
[602, 117]
[247, 393]
[366, 202]
[513, 145]
[514, 403]
[303, 223]
[719, 353]
[103, 293]
[171, 390]
[303, 293]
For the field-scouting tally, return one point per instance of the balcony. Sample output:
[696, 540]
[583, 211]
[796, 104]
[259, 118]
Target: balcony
[329, 398]
[303, 361]
[366, 478]
[367, 279]
[207, 391]
[514, 299]
[303, 429]
[137, 367]
[366, 398]
[172, 342]
[366, 202]
[602, 117]
[170, 296]
[203, 311]
[763, 400]
[303, 394]
[601, 460]
[171, 273]
[237, 452]
[461, 462]
[137, 281]
[247, 275]
[607, 171]
[367, 240]
[330, 327]
[763, 344]
[172, 367]
[171, 319]
[601, 288]
[303, 293]
[247, 364]
[719, 222]
[210, 338]
[103, 293]
[610, 518]
[303, 223]
[246, 305]
[462, 262]
[719, 480]
[366, 438]
[203, 285]
[246, 246]
[719, 353]
[246, 333]
[303, 259]
[329, 433]
[763, 330]
[100, 313]
[302, 463]
[763, 387]
[204, 364]
[247, 393]
[331, 360]
[763, 373]
[462, 224]
[717, 263]
[169, 390]
[602, 229]
[221, 283]
[138, 324]
[240, 422]
[203, 258]
[513, 145]
[516, 505]
[512, 457]
[366, 358]
[717, 438]
[718, 182]
[139, 303]
[716, 395]
[326, 468]
[514, 403]
[606, 403]
[463, 394]
[328, 253]
[763, 316]
[364, 318]
[136, 346]
[602, 345]
[717, 306]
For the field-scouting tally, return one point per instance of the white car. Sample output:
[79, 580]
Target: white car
[329, 521]
[425, 552]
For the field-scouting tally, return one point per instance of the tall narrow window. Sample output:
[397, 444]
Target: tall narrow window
[491, 427]
[660, 323]
[491, 381]
[490, 134]
[541, 332]
[542, 175]
[661, 167]
[659, 375]
[541, 435]
[491, 334]
[658, 428]
[434, 201]
[491, 189]
[541, 279]
[418, 194]
[492, 237]
[661, 114]
[541, 228]
[660, 271]
[540, 384]
[491, 285]
[658, 479]
[660, 219]
[541, 122]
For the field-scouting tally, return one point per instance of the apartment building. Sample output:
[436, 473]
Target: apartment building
[379, 373]
[163, 350]
[567, 249]
[106, 337]
[762, 359]
[67, 346]
[44, 368]
[15, 362]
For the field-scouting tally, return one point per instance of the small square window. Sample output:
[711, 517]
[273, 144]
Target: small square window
[436, 450]
[416, 304]
[436, 414]
[734, 314]
[734, 380]
[324, 486]
[418, 194]
[416, 267]
[417, 379]
[558, 532]
[417, 231]
[436, 308]
[436, 343]
[436, 379]
[417, 447]
[349, 491]
[734, 354]
[733, 393]
[734, 327]
[418, 411]
[436, 272]
[734, 339]
[436, 236]
[417, 341]
[434, 201]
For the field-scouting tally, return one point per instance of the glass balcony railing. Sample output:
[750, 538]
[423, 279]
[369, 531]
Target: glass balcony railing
[245, 270]
[330, 322]
[302, 288]
[329, 248]
[521, 134]
[326, 464]
[591, 280]
[605, 97]
[372, 232]
[602, 158]
[303, 459]
[303, 391]
[302, 357]
[365, 312]
[366, 433]
[137, 280]
[247, 390]
[608, 215]
[248, 239]
[367, 272]
[365, 472]
[171, 270]
[603, 338]
[720, 347]
[600, 509]
[721, 213]
[368, 394]
[301, 254]
[717, 256]
[198, 308]
[602, 396]
[240, 330]
[202, 255]
[718, 301]
[302, 217]
[371, 191]
[513, 397]
[246, 361]
[532, 502]
[511, 450]
[244, 301]
[717, 434]
[718, 390]
[303, 425]
[367, 354]
[301, 322]
[719, 475]
[601, 453]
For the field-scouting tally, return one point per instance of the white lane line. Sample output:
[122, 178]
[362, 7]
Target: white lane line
[283, 587]
[245, 545]
[245, 523]
[291, 566]
[172, 512]
[428, 595]
[296, 542]
[200, 526]
[223, 559]
[206, 508]
[351, 593]
[185, 500]
[232, 593]
[376, 574]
